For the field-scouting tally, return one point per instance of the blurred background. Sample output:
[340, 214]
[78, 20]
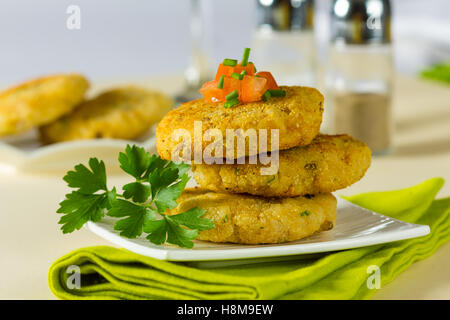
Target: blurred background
[141, 38]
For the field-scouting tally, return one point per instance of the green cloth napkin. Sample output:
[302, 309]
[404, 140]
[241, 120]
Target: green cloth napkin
[110, 273]
[438, 72]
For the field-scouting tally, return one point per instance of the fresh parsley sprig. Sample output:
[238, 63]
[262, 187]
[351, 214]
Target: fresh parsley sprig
[141, 208]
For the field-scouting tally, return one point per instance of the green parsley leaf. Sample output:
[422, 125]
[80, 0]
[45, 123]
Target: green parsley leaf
[137, 191]
[182, 168]
[192, 219]
[157, 231]
[135, 161]
[162, 178]
[136, 217]
[79, 208]
[88, 181]
[178, 235]
[165, 198]
[156, 163]
[84, 205]
[167, 230]
[110, 197]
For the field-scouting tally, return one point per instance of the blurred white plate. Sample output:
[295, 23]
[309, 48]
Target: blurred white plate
[355, 227]
[25, 152]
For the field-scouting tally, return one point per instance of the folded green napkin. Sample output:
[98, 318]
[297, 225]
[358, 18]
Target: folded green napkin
[110, 273]
[439, 72]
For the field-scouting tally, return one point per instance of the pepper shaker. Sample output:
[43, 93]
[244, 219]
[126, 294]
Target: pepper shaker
[359, 77]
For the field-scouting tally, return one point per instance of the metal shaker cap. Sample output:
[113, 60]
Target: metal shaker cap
[282, 15]
[361, 21]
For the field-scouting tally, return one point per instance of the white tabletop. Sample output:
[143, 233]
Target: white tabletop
[30, 239]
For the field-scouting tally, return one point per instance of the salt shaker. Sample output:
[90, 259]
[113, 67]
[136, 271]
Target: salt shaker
[283, 40]
[359, 77]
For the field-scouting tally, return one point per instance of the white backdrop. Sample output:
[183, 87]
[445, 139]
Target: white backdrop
[138, 38]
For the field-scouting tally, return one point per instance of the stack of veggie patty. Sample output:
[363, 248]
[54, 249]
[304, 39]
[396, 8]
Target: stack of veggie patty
[251, 208]
[282, 190]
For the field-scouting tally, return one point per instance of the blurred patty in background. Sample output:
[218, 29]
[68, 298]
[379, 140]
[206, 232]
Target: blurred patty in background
[58, 107]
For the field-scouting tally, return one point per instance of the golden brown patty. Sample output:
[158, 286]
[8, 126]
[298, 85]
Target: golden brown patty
[327, 164]
[122, 113]
[40, 101]
[298, 116]
[256, 220]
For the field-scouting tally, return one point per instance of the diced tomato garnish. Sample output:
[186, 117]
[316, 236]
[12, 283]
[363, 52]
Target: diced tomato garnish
[224, 71]
[250, 68]
[252, 88]
[230, 84]
[211, 93]
[271, 83]
[227, 70]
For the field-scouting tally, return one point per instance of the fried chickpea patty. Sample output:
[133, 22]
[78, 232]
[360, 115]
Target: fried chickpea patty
[249, 219]
[297, 116]
[122, 113]
[40, 101]
[327, 164]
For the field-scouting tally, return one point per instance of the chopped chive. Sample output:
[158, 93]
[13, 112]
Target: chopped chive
[237, 76]
[245, 57]
[233, 95]
[254, 68]
[257, 75]
[231, 103]
[310, 166]
[305, 213]
[277, 93]
[229, 62]
[220, 84]
[266, 96]
[243, 73]
[225, 219]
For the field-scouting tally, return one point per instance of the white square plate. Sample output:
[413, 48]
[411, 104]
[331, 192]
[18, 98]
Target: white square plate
[355, 227]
